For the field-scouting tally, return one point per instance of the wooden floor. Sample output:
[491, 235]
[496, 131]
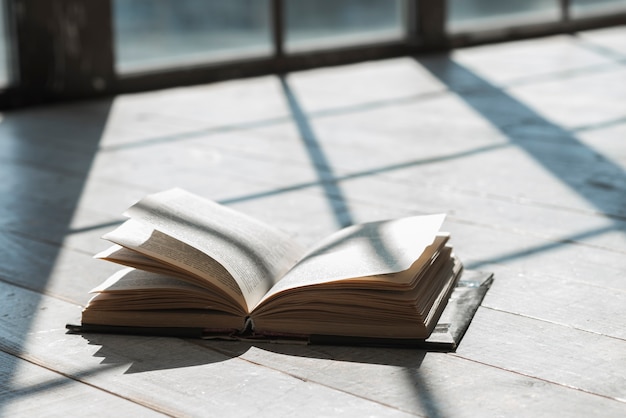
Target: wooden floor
[523, 145]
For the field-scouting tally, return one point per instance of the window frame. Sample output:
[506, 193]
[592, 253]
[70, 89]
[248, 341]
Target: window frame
[83, 65]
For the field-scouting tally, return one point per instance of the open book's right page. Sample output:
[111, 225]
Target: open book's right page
[368, 249]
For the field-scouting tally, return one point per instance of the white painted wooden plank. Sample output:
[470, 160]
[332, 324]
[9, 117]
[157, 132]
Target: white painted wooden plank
[569, 104]
[612, 39]
[48, 268]
[520, 61]
[30, 390]
[607, 140]
[430, 384]
[581, 360]
[362, 84]
[583, 306]
[220, 106]
[523, 216]
[524, 254]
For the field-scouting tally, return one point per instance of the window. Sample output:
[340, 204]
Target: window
[468, 15]
[582, 8]
[153, 34]
[328, 24]
[67, 49]
[5, 46]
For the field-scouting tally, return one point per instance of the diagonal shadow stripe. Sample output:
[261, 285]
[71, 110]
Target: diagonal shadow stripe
[319, 160]
[34, 169]
[360, 174]
[542, 248]
[591, 175]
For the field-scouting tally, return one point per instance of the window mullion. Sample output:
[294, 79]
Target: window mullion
[431, 17]
[64, 48]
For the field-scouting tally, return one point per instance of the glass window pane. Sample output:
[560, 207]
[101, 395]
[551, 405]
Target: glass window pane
[5, 39]
[326, 24]
[582, 8]
[472, 15]
[176, 33]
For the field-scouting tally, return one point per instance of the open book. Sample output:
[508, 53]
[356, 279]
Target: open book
[195, 264]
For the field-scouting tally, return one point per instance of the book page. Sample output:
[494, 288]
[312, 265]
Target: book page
[139, 280]
[369, 249]
[255, 254]
[145, 248]
[141, 290]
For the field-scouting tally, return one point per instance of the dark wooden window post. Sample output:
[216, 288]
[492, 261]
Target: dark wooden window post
[431, 20]
[64, 49]
[278, 32]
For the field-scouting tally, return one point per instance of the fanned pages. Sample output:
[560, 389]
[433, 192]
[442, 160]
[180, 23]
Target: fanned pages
[195, 264]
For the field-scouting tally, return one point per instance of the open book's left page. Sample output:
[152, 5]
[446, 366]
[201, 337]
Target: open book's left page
[256, 255]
